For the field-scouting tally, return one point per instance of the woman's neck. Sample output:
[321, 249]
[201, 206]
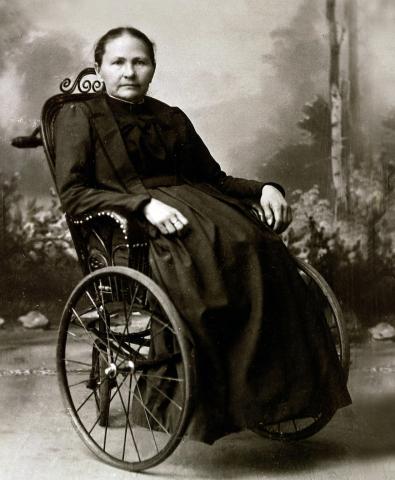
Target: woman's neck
[138, 102]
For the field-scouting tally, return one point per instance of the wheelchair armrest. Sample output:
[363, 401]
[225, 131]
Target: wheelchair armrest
[94, 241]
[116, 217]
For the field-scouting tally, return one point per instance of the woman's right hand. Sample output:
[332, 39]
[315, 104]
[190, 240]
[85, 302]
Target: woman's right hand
[167, 219]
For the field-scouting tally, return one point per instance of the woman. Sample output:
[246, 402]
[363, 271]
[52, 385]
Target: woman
[264, 355]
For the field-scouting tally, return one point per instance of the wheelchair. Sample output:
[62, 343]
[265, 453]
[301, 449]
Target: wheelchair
[121, 335]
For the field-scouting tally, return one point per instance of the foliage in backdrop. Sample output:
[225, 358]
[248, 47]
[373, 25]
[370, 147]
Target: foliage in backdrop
[355, 253]
[37, 262]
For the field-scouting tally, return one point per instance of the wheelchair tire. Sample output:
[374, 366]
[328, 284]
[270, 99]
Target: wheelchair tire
[122, 317]
[300, 429]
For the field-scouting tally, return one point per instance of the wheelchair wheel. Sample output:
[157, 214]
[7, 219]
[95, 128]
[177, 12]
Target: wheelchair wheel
[300, 429]
[125, 368]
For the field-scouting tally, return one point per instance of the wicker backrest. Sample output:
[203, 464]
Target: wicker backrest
[82, 88]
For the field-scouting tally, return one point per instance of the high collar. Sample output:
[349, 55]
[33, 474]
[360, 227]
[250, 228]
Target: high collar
[118, 105]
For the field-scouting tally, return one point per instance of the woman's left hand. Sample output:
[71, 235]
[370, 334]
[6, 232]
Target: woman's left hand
[274, 209]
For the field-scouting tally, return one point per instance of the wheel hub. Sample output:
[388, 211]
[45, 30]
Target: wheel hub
[111, 370]
[130, 365]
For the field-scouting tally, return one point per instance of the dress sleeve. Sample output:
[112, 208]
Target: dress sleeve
[75, 168]
[200, 166]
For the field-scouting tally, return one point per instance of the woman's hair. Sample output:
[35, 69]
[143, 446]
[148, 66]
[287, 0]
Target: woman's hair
[100, 46]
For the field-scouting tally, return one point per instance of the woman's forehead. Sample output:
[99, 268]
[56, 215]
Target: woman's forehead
[125, 46]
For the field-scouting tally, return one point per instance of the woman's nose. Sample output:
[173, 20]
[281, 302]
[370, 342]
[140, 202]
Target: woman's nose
[128, 70]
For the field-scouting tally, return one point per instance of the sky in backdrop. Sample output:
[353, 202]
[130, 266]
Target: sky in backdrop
[241, 69]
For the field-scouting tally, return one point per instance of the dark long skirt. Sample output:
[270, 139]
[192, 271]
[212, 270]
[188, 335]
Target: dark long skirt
[263, 352]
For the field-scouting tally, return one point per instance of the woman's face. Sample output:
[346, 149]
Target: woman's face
[126, 68]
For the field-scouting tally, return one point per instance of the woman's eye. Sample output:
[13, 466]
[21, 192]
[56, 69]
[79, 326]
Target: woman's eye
[117, 62]
[140, 61]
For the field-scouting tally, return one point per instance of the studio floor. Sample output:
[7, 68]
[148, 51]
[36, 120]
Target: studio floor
[37, 441]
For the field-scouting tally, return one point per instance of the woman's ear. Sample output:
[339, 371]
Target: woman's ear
[97, 70]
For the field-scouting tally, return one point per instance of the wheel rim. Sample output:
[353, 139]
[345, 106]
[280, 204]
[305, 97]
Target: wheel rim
[132, 408]
[297, 429]
[333, 312]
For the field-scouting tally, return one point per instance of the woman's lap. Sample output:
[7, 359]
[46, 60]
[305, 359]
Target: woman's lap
[263, 354]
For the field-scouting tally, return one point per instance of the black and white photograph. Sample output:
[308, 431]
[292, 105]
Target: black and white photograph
[197, 239]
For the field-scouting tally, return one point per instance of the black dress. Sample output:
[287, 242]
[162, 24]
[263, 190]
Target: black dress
[264, 352]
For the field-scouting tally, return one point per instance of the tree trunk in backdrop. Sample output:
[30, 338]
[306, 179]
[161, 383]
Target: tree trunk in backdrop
[355, 134]
[338, 174]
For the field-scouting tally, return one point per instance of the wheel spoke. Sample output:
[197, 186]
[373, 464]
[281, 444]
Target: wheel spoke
[154, 317]
[102, 316]
[89, 334]
[181, 380]
[150, 413]
[179, 407]
[105, 434]
[145, 413]
[79, 339]
[69, 360]
[128, 421]
[78, 383]
[159, 332]
[126, 430]
[126, 328]
[86, 399]
[104, 320]
[96, 422]
[87, 293]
